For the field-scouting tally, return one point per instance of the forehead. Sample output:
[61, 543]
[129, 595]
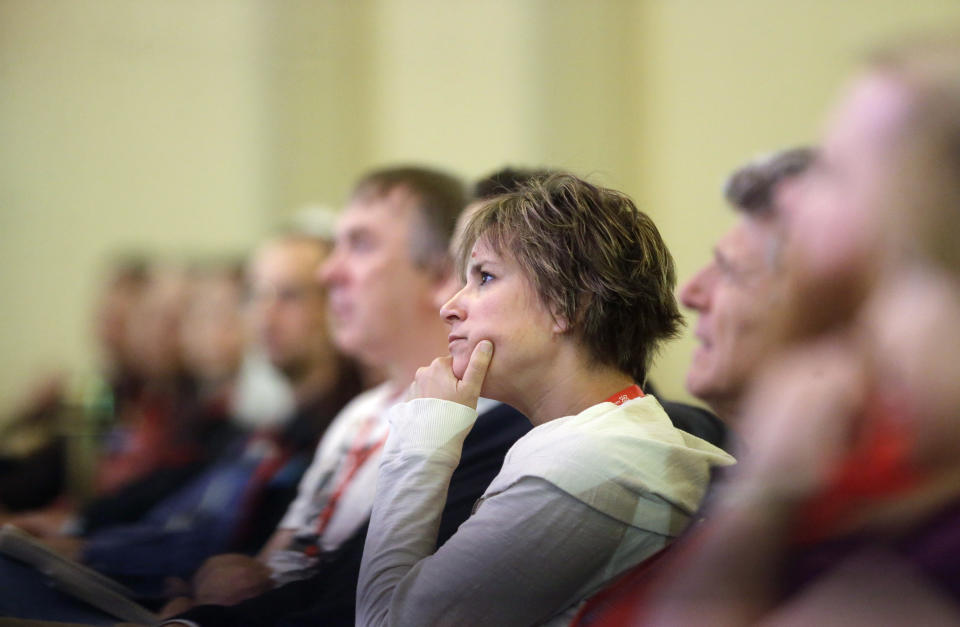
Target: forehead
[286, 261]
[869, 113]
[483, 252]
[214, 294]
[389, 214]
[750, 241]
[214, 285]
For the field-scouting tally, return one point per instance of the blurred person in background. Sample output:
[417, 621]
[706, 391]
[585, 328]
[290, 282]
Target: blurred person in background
[162, 432]
[740, 294]
[263, 396]
[34, 457]
[845, 510]
[238, 501]
[211, 343]
[741, 297]
[148, 433]
[212, 332]
[120, 297]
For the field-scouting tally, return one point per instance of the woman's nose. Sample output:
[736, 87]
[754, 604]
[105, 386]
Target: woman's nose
[453, 309]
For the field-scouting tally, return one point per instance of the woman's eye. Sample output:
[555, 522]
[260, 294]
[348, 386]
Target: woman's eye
[485, 277]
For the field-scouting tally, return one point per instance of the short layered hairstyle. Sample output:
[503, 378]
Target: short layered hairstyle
[595, 261]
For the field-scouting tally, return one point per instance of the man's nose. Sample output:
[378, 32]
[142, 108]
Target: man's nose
[694, 293]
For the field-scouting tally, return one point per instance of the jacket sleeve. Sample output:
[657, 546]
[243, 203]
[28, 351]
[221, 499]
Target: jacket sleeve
[520, 558]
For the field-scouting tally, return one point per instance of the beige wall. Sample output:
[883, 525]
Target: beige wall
[122, 124]
[318, 84]
[193, 125]
[476, 85]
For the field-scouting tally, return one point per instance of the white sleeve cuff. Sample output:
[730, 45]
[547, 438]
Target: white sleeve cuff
[430, 423]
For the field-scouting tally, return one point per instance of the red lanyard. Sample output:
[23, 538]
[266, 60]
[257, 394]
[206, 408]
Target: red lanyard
[628, 393]
[359, 453]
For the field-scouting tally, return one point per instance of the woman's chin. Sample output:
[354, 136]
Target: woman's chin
[459, 366]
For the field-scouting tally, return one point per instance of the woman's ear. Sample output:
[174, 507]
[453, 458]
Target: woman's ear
[560, 324]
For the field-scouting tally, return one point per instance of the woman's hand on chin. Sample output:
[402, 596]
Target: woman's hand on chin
[438, 381]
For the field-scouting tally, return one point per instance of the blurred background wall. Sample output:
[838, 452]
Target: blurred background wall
[191, 127]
